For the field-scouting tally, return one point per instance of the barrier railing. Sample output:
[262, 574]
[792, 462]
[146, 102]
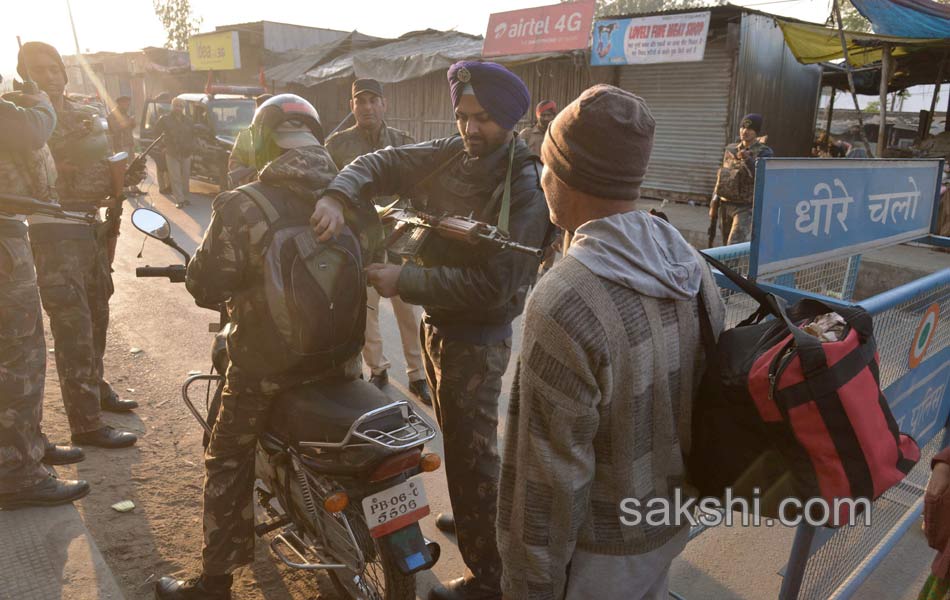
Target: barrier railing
[915, 370]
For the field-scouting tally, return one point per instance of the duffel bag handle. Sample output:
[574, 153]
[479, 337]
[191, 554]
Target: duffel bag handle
[809, 347]
[856, 317]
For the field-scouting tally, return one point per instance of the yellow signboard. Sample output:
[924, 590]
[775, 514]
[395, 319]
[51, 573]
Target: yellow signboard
[214, 51]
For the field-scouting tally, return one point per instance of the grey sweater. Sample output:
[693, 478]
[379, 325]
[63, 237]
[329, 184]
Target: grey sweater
[600, 407]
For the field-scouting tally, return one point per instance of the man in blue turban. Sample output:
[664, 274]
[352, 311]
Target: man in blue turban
[470, 294]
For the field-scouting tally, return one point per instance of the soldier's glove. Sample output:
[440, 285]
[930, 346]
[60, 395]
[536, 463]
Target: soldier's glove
[135, 175]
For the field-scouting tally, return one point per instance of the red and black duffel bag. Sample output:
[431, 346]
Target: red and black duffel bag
[781, 411]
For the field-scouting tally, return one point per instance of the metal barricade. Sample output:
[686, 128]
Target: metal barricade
[915, 371]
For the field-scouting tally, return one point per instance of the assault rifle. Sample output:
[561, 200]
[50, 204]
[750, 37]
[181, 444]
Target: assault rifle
[419, 226]
[12, 204]
[118, 171]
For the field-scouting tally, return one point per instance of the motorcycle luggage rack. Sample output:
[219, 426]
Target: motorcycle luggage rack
[290, 539]
[415, 431]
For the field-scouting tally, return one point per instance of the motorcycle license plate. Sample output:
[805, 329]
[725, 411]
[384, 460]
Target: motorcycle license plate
[392, 509]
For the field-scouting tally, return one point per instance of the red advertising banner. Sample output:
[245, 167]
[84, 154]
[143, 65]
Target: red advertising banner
[552, 28]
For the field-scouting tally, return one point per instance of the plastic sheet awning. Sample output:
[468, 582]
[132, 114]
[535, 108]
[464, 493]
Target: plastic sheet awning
[813, 44]
[907, 18]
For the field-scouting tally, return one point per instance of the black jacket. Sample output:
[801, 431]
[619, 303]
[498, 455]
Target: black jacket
[459, 284]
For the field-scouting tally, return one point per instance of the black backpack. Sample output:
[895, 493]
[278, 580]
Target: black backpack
[315, 291]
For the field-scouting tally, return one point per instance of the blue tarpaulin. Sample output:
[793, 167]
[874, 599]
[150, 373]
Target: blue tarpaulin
[906, 18]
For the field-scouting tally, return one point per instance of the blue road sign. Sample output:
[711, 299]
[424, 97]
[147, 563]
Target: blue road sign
[811, 210]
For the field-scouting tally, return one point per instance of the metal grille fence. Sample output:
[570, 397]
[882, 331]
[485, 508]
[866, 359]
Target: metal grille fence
[841, 558]
[850, 553]
[894, 330]
[835, 279]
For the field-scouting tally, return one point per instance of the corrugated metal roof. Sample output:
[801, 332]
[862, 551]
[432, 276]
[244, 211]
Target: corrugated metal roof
[411, 56]
[295, 63]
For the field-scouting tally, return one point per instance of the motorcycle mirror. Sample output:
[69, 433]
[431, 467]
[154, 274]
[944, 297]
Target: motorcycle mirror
[151, 223]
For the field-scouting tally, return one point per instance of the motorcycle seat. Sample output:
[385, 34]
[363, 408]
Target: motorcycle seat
[324, 411]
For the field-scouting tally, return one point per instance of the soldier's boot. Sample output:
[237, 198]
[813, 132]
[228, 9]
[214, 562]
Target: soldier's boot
[106, 437]
[445, 522]
[57, 454]
[112, 403]
[420, 389]
[49, 492]
[205, 587]
[380, 380]
[465, 588]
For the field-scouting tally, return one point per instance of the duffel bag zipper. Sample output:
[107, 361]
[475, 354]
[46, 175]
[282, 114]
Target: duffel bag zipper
[779, 364]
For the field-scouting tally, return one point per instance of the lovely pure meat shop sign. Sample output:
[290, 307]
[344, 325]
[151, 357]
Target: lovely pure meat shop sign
[553, 28]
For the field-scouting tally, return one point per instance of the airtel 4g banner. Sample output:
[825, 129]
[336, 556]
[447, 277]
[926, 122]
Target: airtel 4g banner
[558, 27]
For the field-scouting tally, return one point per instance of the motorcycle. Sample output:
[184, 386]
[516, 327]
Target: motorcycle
[335, 469]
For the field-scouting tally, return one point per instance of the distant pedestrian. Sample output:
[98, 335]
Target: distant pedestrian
[179, 133]
[544, 113]
[735, 185]
[600, 405]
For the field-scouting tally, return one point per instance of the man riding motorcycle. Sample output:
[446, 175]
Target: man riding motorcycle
[229, 268]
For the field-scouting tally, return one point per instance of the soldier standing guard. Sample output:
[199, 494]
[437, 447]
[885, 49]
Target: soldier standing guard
[470, 294]
[72, 262]
[735, 186]
[368, 135]
[26, 169]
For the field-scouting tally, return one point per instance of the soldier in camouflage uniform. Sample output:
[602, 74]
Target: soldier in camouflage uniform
[26, 169]
[735, 186]
[72, 263]
[368, 135]
[470, 294]
[228, 268]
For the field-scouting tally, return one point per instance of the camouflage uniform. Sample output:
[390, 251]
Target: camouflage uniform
[73, 272]
[344, 147]
[228, 267]
[736, 194]
[470, 294]
[24, 171]
[534, 137]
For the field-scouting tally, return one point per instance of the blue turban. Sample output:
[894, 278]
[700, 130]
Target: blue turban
[502, 93]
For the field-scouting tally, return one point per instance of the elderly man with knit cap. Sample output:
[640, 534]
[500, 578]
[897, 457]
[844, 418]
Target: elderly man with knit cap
[600, 406]
[735, 185]
[470, 294]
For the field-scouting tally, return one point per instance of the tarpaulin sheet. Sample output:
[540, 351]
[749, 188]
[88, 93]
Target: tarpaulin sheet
[907, 18]
[816, 44]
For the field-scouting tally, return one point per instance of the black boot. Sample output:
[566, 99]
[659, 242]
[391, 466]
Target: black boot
[465, 588]
[106, 437]
[113, 403]
[49, 492]
[62, 454]
[421, 390]
[380, 380]
[205, 587]
[445, 522]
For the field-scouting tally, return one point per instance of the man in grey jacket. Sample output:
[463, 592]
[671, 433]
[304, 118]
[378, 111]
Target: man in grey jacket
[600, 407]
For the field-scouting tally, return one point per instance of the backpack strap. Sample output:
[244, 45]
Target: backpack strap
[274, 219]
[262, 202]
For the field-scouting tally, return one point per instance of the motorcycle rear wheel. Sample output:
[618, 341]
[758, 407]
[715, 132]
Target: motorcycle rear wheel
[381, 579]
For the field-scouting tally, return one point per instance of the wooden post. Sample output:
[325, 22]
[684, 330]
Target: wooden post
[831, 108]
[847, 64]
[933, 101]
[885, 72]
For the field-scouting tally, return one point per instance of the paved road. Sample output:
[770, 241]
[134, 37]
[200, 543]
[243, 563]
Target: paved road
[163, 474]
